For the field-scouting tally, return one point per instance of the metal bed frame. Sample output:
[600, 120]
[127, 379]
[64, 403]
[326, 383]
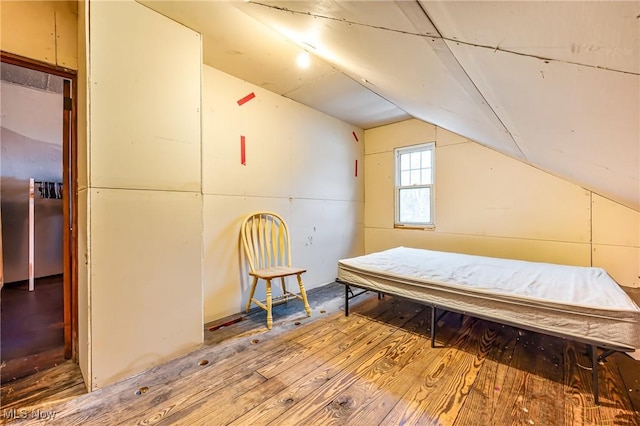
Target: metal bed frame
[591, 345]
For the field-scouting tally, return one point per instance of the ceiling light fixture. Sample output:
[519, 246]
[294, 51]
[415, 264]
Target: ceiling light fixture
[303, 60]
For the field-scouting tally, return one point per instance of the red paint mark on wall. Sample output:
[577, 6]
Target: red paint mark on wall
[246, 98]
[243, 153]
[355, 136]
[356, 168]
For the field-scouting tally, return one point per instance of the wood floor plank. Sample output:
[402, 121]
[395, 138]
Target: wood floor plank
[529, 390]
[614, 408]
[581, 409]
[310, 340]
[194, 392]
[350, 353]
[224, 407]
[489, 398]
[539, 371]
[400, 342]
[389, 390]
[164, 375]
[630, 373]
[366, 394]
[40, 386]
[220, 399]
[166, 399]
[439, 394]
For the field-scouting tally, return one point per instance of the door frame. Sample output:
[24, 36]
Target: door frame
[70, 198]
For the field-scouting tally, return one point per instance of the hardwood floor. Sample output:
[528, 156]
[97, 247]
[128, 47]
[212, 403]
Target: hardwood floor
[375, 367]
[31, 328]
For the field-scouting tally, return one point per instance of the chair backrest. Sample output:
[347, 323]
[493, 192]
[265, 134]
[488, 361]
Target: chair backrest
[265, 238]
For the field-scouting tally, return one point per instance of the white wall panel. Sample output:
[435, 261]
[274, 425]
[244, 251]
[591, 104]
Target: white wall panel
[291, 150]
[84, 322]
[267, 170]
[84, 269]
[41, 30]
[563, 253]
[145, 99]
[300, 163]
[82, 103]
[322, 231]
[482, 192]
[445, 137]
[379, 199]
[614, 224]
[146, 271]
[405, 133]
[616, 240]
[622, 263]
[323, 155]
[28, 29]
[145, 240]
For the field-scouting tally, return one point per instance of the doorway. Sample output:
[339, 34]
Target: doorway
[37, 216]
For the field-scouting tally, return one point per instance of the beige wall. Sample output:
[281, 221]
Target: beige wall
[41, 30]
[144, 205]
[299, 163]
[490, 204]
[82, 232]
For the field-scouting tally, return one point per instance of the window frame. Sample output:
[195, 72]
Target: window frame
[397, 152]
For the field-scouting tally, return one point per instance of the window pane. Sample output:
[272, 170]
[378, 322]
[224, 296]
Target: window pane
[404, 161]
[426, 177]
[415, 177]
[415, 160]
[405, 178]
[426, 158]
[415, 205]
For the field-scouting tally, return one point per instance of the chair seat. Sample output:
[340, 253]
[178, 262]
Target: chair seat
[276, 272]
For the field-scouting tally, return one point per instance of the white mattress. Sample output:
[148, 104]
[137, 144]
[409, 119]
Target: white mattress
[581, 302]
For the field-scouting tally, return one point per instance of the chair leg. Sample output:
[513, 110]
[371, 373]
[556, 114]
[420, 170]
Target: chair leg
[269, 316]
[253, 290]
[284, 290]
[304, 295]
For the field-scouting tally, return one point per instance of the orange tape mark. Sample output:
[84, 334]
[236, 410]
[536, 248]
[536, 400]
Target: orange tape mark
[356, 168]
[243, 153]
[355, 136]
[246, 98]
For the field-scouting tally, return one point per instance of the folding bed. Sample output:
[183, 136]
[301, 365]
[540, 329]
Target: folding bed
[583, 304]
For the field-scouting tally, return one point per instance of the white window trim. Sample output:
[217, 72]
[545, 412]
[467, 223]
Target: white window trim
[396, 155]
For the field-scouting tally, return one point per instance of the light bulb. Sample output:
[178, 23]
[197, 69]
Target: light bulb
[303, 60]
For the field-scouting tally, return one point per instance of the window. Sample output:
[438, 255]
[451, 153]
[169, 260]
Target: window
[414, 185]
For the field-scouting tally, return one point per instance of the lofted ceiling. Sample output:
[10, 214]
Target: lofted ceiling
[553, 84]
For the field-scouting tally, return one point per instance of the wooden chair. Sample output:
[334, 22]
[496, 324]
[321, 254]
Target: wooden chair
[265, 238]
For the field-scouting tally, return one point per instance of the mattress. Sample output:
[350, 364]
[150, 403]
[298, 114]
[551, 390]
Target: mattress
[583, 303]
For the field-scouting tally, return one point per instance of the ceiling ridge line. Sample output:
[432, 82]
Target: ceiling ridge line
[542, 58]
[440, 36]
[377, 27]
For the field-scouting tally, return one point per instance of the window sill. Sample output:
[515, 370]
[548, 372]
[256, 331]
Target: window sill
[416, 227]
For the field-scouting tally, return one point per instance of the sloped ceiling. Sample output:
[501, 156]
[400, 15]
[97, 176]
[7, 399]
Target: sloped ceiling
[553, 84]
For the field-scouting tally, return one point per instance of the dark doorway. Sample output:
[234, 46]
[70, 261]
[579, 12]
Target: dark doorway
[37, 211]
